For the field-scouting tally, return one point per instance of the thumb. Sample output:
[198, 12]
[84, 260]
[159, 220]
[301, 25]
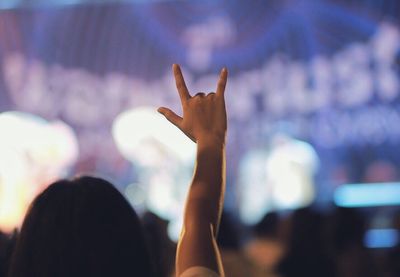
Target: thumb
[170, 116]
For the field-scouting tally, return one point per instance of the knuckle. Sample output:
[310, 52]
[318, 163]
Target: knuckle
[200, 94]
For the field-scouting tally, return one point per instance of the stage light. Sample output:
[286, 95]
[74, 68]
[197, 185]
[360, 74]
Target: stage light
[381, 238]
[278, 177]
[33, 153]
[164, 159]
[14, 4]
[367, 195]
[142, 134]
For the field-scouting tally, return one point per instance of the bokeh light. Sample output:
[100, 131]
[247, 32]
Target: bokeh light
[163, 158]
[33, 153]
[280, 176]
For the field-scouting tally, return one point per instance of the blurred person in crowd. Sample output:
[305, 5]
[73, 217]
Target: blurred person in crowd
[346, 229]
[85, 227]
[162, 249]
[7, 243]
[235, 262]
[393, 257]
[306, 253]
[266, 249]
[81, 227]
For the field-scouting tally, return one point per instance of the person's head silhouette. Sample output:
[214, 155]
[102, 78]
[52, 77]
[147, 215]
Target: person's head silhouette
[82, 227]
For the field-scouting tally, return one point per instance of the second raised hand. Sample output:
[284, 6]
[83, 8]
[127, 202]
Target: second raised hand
[204, 116]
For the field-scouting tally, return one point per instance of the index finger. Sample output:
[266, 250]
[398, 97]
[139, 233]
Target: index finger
[223, 77]
[180, 83]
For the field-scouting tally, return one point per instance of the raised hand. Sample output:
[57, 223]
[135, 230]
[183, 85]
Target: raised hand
[204, 121]
[204, 116]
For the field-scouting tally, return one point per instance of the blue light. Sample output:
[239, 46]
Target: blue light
[14, 4]
[381, 238]
[9, 4]
[368, 195]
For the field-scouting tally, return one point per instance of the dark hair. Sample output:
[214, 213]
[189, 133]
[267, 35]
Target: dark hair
[267, 226]
[82, 227]
[306, 253]
[228, 233]
[161, 247]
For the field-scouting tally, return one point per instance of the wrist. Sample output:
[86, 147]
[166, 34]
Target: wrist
[211, 141]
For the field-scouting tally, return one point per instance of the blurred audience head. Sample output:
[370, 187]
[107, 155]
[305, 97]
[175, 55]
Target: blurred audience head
[306, 250]
[7, 243]
[268, 226]
[162, 249]
[348, 228]
[228, 233]
[306, 230]
[81, 227]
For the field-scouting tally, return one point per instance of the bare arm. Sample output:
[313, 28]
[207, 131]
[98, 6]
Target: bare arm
[204, 121]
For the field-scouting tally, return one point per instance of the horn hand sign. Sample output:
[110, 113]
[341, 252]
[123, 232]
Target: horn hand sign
[204, 116]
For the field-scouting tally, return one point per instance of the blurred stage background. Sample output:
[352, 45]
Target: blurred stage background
[313, 100]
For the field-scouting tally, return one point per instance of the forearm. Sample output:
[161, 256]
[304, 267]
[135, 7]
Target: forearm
[197, 244]
[205, 198]
[204, 121]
